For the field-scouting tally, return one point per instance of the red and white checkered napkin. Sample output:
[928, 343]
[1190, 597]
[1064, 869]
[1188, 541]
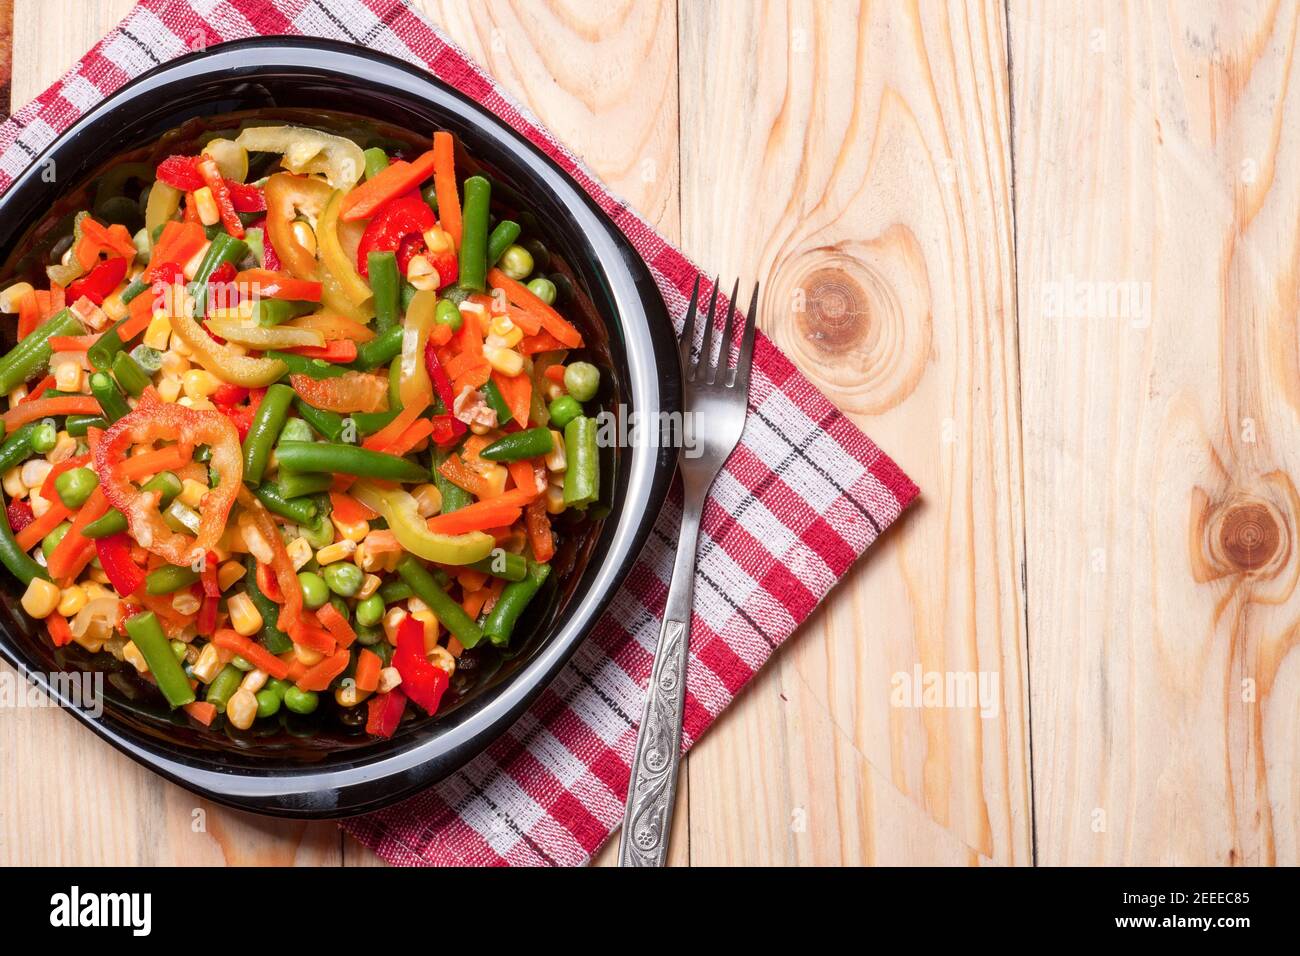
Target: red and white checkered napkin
[802, 497]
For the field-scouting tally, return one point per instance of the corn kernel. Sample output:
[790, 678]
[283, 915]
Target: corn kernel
[17, 395]
[428, 500]
[254, 681]
[506, 361]
[554, 499]
[169, 388]
[354, 532]
[192, 493]
[159, 332]
[173, 363]
[496, 480]
[440, 657]
[436, 238]
[299, 552]
[209, 664]
[38, 503]
[501, 325]
[430, 622]
[131, 654]
[306, 656]
[348, 694]
[228, 574]
[95, 591]
[200, 383]
[35, 472]
[206, 204]
[302, 232]
[476, 428]
[369, 585]
[338, 551]
[392, 621]
[13, 482]
[244, 616]
[71, 600]
[13, 295]
[388, 679]
[555, 461]
[115, 308]
[368, 560]
[415, 605]
[183, 602]
[241, 709]
[422, 274]
[41, 598]
[68, 376]
[65, 446]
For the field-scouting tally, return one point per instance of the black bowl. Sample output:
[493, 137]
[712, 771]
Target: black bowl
[328, 768]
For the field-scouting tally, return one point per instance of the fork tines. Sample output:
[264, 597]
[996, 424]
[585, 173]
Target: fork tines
[703, 370]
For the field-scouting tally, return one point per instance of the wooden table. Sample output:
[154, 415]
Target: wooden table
[1048, 255]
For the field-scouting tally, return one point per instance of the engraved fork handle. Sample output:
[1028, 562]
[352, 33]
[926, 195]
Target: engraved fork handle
[652, 789]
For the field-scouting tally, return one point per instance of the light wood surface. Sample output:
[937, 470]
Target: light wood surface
[1107, 533]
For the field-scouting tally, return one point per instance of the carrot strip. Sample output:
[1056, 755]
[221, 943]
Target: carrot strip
[138, 319]
[41, 387]
[470, 579]
[475, 378]
[26, 412]
[350, 511]
[455, 647]
[369, 665]
[517, 390]
[152, 462]
[474, 601]
[31, 535]
[461, 475]
[393, 430]
[71, 549]
[397, 178]
[306, 634]
[494, 513]
[336, 624]
[418, 432]
[525, 475]
[73, 343]
[29, 314]
[251, 651]
[540, 538]
[541, 342]
[201, 711]
[444, 185]
[518, 294]
[319, 677]
[336, 350]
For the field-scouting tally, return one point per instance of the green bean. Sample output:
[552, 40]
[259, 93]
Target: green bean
[130, 376]
[297, 510]
[376, 161]
[503, 617]
[135, 287]
[496, 401]
[269, 312]
[17, 448]
[165, 483]
[109, 396]
[223, 687]
[272, 638]
[564, 410]
[582, 476]
[451, 614]
[264, 430]
[14, 558]
[394, 591]
[454, 497]
[503, 564]
[169, 579]
[153, 646]
[474, 235]
[78, 425]
[224, 248]
[380, 350]
[149, 359]
[529, 443]
[295, 485]
[348, 460]
[385, 283]
[31, 354]
[502, 238]
[315, 368]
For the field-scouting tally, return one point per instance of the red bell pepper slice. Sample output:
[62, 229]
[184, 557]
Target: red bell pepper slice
[208, 576]
[115, 556]
[446, 425]
[422, 682]
[406, 216]
[246, 197]
[241, 415]
[227, 394]
[385, 713]
[182, 172]
[20, 514]
[207, 168]
[338, 350]
[280, 285]
[98, 282]
[206, 622]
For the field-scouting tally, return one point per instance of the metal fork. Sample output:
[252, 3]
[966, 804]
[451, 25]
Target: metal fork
[716, 396]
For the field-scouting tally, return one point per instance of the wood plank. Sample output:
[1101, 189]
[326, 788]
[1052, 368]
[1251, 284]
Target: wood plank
[857, 157]
[1157, 155]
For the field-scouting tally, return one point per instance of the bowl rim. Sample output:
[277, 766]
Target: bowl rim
[361, 785]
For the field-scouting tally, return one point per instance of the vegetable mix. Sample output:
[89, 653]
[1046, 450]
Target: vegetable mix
[299, 439]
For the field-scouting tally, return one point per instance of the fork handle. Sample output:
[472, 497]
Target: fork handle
[652, 789]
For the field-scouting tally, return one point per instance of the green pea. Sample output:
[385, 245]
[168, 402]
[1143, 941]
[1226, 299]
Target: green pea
[543, 288]
[278, 685]
[370, 611]
[179, 648]
[448, 313]
[314, 591]
[564, 410]
[75, 486]
[581, 379]
[343, 577]
[320, 534]
[301, 701]
[52, 539]
[296, 429]
[44, 437]
[268, 702]
[368, 635]
[516, 262]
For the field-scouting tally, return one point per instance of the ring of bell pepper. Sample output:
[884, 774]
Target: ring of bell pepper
[154, 420]
[447, 428]
[407, 215]
[285, 574]
[218, 358]
[183, 173]
[349, 392]
[99, 281]
[422, 682]
[286, 196]
[402, 513]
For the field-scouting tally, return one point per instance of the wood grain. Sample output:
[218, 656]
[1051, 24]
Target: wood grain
[1157, 180]
[857, 158]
